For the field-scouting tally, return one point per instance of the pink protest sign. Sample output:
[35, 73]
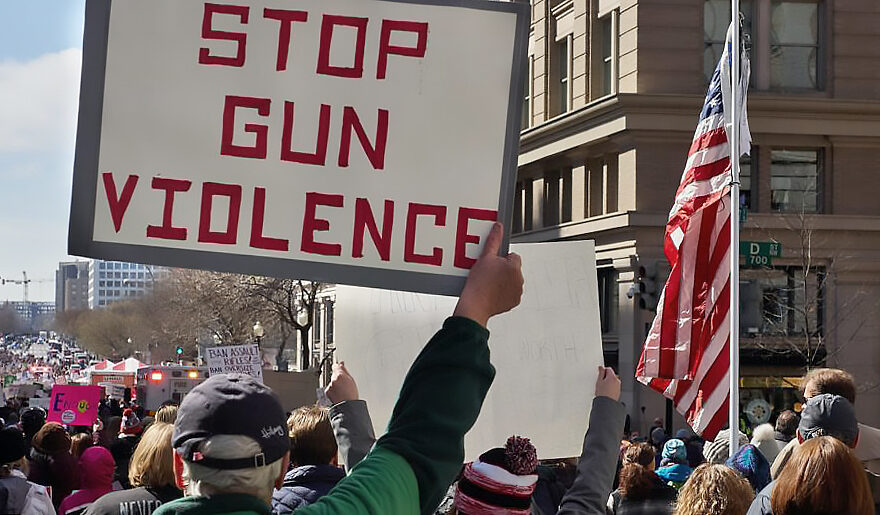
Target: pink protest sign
[74, 404]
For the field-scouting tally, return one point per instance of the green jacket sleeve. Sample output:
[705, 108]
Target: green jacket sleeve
[410, 468]
[439, 402]
[382, 483]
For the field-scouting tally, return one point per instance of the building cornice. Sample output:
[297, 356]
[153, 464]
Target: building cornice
[850, 121]
[630, 220]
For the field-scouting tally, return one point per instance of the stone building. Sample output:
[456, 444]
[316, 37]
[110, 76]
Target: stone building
[611, 104]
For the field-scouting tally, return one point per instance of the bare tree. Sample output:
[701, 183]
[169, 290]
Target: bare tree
[10, 322]
[220, 303]
[292, 305]
[793, 299]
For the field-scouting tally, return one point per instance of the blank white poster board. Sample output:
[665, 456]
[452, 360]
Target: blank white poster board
[545, 351]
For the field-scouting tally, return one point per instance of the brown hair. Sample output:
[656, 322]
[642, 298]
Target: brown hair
[152, 463]
[79, 443]
[822, 476]
[714, 489]
[830, 380]
[787, 423]
[637, 480]
[52, 439]
[311, 436]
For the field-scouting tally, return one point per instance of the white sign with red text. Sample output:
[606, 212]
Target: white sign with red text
[367, 142]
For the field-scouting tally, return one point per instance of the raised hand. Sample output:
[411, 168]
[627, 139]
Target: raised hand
[495, 283]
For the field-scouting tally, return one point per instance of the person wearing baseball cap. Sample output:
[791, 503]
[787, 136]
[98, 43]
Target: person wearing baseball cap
[232, 445]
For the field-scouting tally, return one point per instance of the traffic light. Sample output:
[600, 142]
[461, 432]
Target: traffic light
[647, 287]
[179, 351]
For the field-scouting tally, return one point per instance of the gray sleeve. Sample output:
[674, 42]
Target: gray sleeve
[353, 430]
[598, 462]
[761, 504]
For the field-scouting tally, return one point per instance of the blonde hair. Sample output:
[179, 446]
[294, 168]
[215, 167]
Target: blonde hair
[714, 489]
[207, 481]
[152, 461]
[167, 414]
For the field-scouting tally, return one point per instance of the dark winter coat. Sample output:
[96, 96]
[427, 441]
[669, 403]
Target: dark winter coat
[58, 471]
[305, 485]
[660, 501]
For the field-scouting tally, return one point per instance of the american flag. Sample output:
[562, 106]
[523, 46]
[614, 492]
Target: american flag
[687, 352]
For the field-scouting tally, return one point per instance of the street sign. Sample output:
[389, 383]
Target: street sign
[759, 253]
[366, 142]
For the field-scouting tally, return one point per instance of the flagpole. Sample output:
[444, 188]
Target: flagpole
[734, 141]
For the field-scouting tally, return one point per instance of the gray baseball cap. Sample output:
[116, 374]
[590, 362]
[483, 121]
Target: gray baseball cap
[829, 415]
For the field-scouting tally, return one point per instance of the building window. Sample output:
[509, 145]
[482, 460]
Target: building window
[102, 265]
[561, 68]
[786, 41]
[794, 45]
[716, 19]
[782, 301]
[794, 180]
[608, 299]
[101, 283]
[101, 293]
[607, 25]
[560, 50]
[522, 206]
[328, 307]
[528, 93]
[102, 274]
[746, 176]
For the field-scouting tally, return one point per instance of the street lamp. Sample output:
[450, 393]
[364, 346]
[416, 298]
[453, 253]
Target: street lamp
[259, 332]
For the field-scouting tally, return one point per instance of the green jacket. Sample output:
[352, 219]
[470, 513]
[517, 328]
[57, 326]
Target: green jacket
[226, 504]
[411, 466]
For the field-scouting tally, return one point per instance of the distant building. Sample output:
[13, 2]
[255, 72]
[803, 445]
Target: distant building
[72, 286]
[111, 281]
[34, 315]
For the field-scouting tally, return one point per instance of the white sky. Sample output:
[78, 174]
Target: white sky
[40, 54]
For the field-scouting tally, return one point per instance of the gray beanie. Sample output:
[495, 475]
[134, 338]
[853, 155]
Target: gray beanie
[718, 450]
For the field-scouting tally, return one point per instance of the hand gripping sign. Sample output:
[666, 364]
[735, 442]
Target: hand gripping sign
[369, 142]
[74, 404]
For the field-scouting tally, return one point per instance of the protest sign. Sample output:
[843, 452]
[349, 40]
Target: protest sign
[74, 404]
[545, 351]
[365, 142]
[239, 359]
[39, 402]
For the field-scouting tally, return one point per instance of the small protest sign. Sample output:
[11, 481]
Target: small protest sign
[367, 142]
[39, 402]
[74, 404]
[239, 359]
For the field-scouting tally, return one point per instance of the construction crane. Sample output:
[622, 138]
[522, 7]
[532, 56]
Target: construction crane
[24, 281]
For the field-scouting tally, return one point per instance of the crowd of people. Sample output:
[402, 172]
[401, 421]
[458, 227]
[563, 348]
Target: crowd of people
[230, 448]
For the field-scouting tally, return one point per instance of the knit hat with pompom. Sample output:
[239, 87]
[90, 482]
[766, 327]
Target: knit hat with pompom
[501, 481]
